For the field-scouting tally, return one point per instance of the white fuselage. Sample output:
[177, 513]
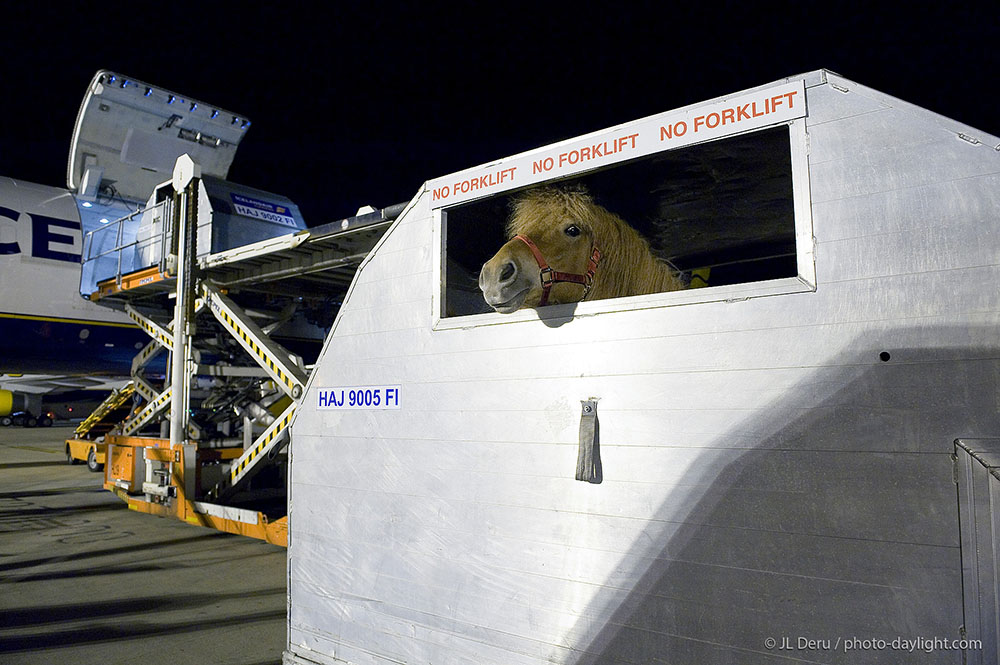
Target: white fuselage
[47, 326]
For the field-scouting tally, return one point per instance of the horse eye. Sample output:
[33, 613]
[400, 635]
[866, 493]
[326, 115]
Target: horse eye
[572, 231]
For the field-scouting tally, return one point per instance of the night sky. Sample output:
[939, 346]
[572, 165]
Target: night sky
[362, 105]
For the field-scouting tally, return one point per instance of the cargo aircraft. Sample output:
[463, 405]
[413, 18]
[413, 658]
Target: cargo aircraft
[127, 136]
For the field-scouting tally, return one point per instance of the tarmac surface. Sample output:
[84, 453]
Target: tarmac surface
[85, 580]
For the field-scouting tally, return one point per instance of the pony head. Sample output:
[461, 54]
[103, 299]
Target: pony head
[551, 256]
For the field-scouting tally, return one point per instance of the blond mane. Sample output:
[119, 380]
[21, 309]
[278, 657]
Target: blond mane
[627, 267]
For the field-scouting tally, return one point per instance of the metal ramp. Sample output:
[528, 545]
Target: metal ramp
[111, 403]
[240, 324]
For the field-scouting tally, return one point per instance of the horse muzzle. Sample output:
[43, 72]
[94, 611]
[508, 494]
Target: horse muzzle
[505, 285]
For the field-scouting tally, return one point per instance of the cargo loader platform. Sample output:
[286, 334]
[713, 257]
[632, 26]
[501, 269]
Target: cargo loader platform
[230, 284]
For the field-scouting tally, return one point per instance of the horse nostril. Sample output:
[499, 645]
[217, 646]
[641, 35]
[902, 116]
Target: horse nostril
[507, 272]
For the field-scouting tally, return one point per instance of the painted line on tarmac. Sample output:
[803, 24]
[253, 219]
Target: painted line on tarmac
[37, 449]
[22, 494]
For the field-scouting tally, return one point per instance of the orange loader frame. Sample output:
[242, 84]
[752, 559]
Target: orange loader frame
[126, 457]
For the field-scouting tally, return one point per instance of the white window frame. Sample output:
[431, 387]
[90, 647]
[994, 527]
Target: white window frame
[803, 282]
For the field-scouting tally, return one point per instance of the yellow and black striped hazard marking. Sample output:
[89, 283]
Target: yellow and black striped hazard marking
[144, 415]
[257, 349]
[148, 351]
[262, 444]
[153, 332]
[145, 391]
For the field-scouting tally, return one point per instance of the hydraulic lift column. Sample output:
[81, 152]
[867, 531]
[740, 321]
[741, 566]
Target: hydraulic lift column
[185, 183]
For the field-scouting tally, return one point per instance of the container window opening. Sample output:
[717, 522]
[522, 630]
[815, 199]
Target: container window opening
[717, 213]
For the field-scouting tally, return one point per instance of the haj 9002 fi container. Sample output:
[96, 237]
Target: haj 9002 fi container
[769, 471]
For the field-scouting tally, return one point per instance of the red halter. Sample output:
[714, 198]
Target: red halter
[549, 276]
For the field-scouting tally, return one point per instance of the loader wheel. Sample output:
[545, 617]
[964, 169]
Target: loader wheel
[92, 461]
[69, 457]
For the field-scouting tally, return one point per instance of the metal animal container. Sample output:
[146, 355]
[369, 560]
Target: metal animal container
[769, 467]
[232, 216]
